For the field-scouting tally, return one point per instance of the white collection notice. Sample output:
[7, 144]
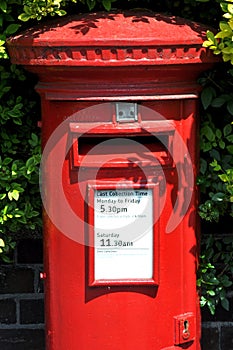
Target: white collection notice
[123, 234]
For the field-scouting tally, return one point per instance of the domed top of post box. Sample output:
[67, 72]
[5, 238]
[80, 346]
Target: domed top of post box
[111, 39]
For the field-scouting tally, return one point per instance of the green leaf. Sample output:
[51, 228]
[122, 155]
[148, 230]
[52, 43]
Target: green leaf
[107, 4]
[218, 197]
[3, 5]
[223, 34]
[225, 304]
[30, 162]
[210, 36]
[211, 292]
[208, 132]
[2, 244]
[211, 307]
[230, 149]
[207, 95]
[91, 4]
[34, 140]
[230, 138]
[230, 107]
[224, 26]
[7, 161]
[17, 121]
[218, 133]
[230, 8]
[228, 240]
[227, 130]
[203, 301]
[6, 259]
[61, 12]
[227, 283]
[218, 102]
[207, 43]
[13, 195]
[12, 28]
[24, 17]
[223, 177]
[216, 155]
[203, 166]
[222, 144]
[223, 6]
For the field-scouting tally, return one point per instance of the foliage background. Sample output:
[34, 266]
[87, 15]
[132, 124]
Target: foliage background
[20, 137]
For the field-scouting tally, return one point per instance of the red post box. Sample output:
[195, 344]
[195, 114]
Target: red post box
[119, 126]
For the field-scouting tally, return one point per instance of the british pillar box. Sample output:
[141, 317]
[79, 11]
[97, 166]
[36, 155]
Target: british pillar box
[119, 125]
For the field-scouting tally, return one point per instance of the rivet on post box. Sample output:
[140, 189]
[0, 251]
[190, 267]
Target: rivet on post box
[119, 126]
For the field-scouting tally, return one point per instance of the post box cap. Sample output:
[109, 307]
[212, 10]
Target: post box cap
[112, 39]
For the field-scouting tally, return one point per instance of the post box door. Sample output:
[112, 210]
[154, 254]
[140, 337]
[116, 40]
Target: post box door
[107, 286]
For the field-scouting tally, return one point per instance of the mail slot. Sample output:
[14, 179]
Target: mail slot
[120, 156]
[106, 140]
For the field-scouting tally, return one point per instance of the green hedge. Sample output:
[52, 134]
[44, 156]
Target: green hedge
[20, 137]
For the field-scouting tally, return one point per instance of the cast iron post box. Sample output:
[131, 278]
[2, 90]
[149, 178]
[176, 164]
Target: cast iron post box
[119, 126]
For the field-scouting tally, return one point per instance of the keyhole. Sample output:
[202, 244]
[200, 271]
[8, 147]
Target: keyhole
[186, 325]
[186, 333]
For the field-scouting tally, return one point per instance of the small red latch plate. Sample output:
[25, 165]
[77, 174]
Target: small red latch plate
[184, 328]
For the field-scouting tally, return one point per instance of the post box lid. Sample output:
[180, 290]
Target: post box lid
[112, 39]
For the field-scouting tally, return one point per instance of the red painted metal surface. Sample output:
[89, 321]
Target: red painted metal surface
[81, 62]
[113, 39]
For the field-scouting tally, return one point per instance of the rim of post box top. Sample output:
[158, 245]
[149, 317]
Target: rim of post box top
[129, 38]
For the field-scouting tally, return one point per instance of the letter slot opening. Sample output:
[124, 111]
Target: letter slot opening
[121, 147]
